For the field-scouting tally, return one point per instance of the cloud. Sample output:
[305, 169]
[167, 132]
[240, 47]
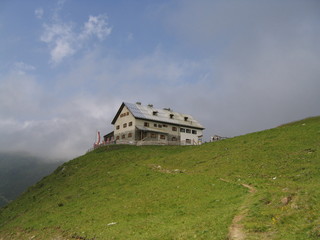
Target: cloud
[18, 95]
[130, 37]
[39, 13]
[64, 41]
[60, 39]
[96, 26]
[21, 67]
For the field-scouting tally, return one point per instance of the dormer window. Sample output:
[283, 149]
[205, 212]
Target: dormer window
[171, 116]
[186, 118]
[155, 113]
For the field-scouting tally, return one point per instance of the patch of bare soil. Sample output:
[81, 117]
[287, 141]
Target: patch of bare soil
[236, 231]
[158, 168]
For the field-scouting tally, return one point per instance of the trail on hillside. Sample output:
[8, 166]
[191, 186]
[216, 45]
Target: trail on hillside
[236, 231]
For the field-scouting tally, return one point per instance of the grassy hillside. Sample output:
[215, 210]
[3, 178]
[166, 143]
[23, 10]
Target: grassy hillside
[174, 192]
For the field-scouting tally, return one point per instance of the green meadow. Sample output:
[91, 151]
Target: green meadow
[180, 192]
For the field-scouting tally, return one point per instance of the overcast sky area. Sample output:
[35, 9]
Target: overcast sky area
[236, 66]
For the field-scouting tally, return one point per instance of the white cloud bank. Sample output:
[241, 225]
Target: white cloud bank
[263, 61]
[31, 121]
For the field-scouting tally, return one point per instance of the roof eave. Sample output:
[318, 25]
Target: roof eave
[118, 113]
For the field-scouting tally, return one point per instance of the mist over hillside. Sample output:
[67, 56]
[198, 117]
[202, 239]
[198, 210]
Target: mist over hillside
[18, 171]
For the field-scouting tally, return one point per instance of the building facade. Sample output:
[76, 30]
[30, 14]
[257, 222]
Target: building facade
[146, 125]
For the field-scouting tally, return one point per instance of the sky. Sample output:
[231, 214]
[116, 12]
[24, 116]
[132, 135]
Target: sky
[236, 66]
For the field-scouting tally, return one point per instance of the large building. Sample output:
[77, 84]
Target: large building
[146, 125]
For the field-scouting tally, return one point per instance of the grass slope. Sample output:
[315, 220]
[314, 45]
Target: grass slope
[173, 192]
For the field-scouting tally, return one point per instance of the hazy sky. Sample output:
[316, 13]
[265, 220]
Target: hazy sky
[237, 66]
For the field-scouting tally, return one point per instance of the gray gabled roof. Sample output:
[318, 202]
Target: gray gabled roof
[160, 115]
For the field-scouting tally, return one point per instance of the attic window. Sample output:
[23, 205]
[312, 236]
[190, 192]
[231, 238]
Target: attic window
[171, 116]
[186, 118]
[155, 113]
[124, 114]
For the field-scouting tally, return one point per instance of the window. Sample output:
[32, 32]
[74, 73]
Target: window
[130, 124]
[188, 131]
[153, 135]
[182, 130]
[162, 136]
[118, 137]
[124, 114]
[124, 125]
[129, 135]
[123, 136]
[188, 140]
[194, 131]
[159, 126]
[174, 129]
[118, 127]
[164, 125]
[146, 124]
[174, 139]
[155, 125]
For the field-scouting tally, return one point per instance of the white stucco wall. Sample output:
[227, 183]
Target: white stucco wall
[193, 137]
[121, 121]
